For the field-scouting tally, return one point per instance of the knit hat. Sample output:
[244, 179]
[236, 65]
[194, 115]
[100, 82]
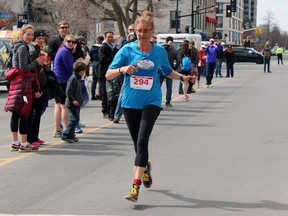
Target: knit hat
[100, 38]
[38, 34]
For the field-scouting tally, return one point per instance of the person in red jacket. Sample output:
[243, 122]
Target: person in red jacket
[201, 64]
[23, 84]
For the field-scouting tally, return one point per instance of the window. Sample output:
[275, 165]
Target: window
[173, 20]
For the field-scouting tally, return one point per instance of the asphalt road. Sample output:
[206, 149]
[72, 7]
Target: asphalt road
[223, 153]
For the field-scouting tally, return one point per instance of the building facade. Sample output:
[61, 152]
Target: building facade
[250, 12]
[231, 28]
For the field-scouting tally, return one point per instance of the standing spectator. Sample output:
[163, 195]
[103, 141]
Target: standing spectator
[95, 62]
[63, 68]
[84, 82]
[74, 101]
[229, 55]
[118, 112]
[183, 53]
[106, 54]
[23, 84]
[211, 52]
[195, 61]
[174, 62]
[201, 64]
[219, 57]
[113, 91]
[124, 40]
[267, 56]
[39, 104]
[279, 53]
[141, 101]
[63, 29]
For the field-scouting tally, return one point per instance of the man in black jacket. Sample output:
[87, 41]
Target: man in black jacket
[63, 29]
[220, 57]
[106, 54]
[174, 61]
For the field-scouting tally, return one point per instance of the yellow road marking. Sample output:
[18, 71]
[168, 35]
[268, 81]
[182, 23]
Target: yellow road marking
[26, 154]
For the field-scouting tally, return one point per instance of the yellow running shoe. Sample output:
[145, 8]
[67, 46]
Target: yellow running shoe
[133, 194]
[147, 177]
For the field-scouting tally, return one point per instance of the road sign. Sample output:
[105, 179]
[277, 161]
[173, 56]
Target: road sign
[22, 19]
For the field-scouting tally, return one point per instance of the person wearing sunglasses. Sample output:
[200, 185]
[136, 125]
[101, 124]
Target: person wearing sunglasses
[63, 69]
[63, 29]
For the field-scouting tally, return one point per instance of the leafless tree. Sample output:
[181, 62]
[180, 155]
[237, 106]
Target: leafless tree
[5, 7]
[125, 12]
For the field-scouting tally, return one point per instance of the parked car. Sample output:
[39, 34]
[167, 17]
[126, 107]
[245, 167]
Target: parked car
[246, 54]
[5, 49]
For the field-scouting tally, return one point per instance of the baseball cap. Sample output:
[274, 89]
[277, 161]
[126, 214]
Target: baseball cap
[169, 38]
[222, 43]
[203, 46]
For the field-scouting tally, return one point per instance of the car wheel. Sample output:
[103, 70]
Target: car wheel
[259, 61]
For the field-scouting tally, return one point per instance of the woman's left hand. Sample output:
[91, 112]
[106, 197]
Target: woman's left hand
[37, 94]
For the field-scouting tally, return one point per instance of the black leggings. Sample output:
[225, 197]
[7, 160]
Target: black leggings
[18, 120]
[140, 124]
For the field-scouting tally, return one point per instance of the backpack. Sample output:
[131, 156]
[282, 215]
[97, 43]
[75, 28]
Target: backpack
[186, 64]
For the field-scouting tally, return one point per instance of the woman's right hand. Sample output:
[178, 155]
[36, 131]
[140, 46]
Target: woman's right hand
[41, 60]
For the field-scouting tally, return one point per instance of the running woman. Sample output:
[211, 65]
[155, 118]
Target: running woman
[142, 96]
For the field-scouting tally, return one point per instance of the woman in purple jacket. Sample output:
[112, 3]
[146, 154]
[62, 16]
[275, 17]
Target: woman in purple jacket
[63, 69]
[211, 53]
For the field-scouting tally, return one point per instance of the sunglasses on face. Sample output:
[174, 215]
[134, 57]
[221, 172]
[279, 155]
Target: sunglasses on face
[69, 41]
[82, 43]
[64, 27]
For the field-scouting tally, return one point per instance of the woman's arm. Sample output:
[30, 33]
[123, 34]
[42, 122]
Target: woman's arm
[112, 73]
[178, 76]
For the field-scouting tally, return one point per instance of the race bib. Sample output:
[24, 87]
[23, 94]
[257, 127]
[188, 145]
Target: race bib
[141, 82]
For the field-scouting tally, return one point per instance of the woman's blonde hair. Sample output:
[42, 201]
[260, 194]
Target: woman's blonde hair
[65, 39]
[146, 17]
[24, 29]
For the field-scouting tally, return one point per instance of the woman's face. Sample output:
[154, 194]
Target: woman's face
[70, 42]
[40, 41]
[144, 32]
[28, 36]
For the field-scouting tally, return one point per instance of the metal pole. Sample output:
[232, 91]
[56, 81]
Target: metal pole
[176, 14]
[192, 17]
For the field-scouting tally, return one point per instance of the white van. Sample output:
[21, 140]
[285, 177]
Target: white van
[178, 39]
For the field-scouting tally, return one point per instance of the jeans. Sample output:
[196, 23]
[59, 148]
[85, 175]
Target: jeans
[74, 118]
[140, 123]
[266, 62]
[169, 83]
[230, 69]
[94, 81]
[218, 67]
[118, 111]
[210, 72]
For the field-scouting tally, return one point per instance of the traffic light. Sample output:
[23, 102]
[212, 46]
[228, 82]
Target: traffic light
[256, 31]
[233, 4]
[228, 11]
[260, 31]
[187, 29]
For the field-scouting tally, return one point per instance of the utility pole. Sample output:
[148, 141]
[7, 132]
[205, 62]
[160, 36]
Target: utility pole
[176, 16]
[192, 17]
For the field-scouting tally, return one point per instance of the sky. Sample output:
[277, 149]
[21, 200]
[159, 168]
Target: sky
[278, 9]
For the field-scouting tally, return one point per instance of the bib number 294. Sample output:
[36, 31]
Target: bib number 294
[141, 82]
